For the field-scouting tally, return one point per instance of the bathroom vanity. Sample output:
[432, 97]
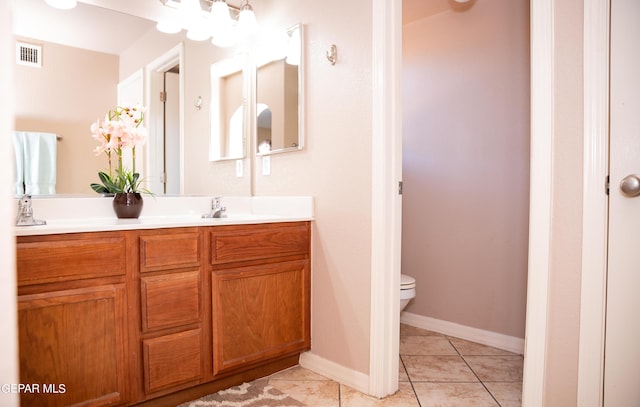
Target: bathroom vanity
[160, 315]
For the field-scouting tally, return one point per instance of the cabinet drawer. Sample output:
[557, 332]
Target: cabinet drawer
[169, 300]
[254, 242]
[79, 256]
[170, 249]
[172, 360]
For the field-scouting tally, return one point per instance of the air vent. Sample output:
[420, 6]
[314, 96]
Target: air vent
[28, 54]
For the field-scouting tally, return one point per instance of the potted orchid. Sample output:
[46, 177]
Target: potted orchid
[118, 136]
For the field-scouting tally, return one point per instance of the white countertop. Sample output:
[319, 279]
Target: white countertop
[89, 214]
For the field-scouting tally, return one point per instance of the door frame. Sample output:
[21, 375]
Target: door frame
[386, 200]
[541, 199]
[595, 202]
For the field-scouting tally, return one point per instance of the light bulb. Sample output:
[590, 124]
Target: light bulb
[225, 38]
[198, 32]
[247, 24]
[169, 26]
[62, 4]
[193, 18]
[219, 16]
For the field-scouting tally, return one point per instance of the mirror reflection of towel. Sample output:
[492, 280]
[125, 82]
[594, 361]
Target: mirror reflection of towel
[38, 162]
[18, 175]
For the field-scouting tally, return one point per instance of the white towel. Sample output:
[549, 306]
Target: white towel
[18, 159]
[40, 163]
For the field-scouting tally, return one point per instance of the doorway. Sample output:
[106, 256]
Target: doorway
[165, 149]
[466, 136]
[171, 132]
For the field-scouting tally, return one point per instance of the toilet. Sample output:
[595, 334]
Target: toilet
[407, 290]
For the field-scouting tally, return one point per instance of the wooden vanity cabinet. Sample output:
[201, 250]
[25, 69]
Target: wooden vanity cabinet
[159, 316]
[260, 293]
[72, 318]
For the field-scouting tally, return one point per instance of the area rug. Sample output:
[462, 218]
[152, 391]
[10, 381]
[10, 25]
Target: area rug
[254, 394]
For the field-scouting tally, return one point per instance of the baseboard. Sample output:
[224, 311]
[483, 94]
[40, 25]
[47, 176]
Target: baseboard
[331, 370]
[497, 340]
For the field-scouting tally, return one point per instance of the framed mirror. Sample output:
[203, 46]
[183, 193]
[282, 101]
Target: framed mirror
[278, 107]
[228, 107]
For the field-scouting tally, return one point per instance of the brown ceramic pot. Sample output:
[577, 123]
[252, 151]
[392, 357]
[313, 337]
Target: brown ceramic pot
[128, 205]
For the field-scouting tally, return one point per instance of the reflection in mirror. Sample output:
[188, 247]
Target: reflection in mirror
[227, 109]
[75, 84]
[279, 96]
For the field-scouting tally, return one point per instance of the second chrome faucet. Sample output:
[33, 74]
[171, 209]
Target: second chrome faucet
[217, 210]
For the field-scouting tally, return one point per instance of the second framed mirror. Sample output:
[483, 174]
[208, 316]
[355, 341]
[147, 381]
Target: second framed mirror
[278, 120]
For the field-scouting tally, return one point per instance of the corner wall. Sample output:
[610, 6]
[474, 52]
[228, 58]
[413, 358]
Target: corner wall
[8, 307]
[334, 167]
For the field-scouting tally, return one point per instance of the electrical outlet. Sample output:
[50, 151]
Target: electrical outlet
[239, 168]
[266, 165]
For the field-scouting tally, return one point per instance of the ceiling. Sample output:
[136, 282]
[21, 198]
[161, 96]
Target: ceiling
[111, 25]
[101, 29]
[413, 10]
[105, 25]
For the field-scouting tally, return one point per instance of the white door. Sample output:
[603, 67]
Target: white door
[622, 337]
[172, 133]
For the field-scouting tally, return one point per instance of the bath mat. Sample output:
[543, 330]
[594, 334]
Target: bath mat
[254, 394]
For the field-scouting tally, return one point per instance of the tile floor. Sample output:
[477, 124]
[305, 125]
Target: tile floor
[435, 370]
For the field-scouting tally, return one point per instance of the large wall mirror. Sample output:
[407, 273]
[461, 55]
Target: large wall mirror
[84, 60]
[278, 121]
[228, 107]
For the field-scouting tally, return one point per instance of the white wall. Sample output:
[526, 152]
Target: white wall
[8, 324]
[334, 167]
[466, 164]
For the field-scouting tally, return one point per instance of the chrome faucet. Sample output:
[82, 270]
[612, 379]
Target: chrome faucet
[25, 213]
[217, 210]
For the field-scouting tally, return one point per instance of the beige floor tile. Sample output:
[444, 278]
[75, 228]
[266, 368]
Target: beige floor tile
[402, 372]
[297, 373]
[406, 330]
[404, 397]
[497, 368]
[507, 394]
[453, 395]
[467, 348]
[426, 345]
[438, 369]
[313, 393]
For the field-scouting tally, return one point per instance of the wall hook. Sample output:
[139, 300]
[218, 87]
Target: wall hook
[198, 103]
[332, 54]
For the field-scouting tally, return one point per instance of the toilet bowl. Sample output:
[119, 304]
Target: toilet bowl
[407, 290]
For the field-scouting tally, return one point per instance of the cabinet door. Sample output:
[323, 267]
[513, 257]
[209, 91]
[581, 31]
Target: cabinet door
[72, 347]
[260, 312]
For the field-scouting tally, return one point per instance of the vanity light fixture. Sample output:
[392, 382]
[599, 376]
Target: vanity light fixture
[216, 22]
[62, 4]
